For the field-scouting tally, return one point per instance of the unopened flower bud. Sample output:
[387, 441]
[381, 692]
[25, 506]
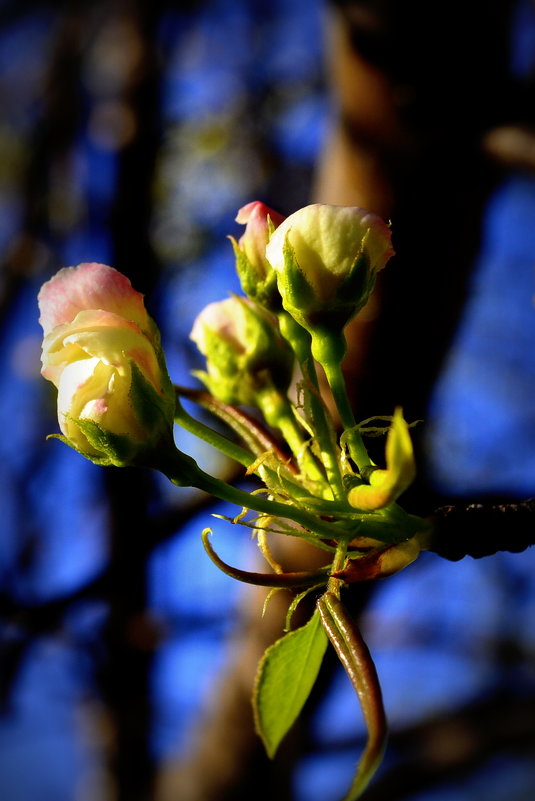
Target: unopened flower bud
[102, 351]
[244, 350]
[326, 259]
[256, 275]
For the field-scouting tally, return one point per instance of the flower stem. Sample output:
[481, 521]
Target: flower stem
[335, 379]
[300, 340]
[207, 434]
[277, 412]
[184, 471]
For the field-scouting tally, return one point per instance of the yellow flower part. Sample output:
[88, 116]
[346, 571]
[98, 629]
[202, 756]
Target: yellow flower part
[387, 485]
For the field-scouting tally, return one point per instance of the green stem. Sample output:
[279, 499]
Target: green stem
[357, 449]
[337, 384]
[184, 471]
[329, 349]
[337, 566]
[300, 340]
[255, 438]
[277, 411]
[324, 433]
[207, 434]
[330, 352]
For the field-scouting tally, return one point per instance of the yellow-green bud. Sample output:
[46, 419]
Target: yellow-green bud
[326, 259]
[244, 351]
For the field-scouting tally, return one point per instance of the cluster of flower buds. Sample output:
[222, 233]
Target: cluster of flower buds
[304, 278]
[320, 262]
[315, 268]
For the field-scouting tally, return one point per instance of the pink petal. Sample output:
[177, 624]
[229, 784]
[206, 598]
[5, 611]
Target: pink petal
[258, 212]
[89, 286]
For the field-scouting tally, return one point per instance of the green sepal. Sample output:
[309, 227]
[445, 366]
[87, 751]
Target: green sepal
[103, 461]
[297, 294]
[153, 410]
[286, 674]
[224, 355]
[249, 277]
[354, 290]
[117, 449]
[262, 289]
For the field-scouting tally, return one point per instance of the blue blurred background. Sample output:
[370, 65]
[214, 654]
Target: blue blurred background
[130, 134]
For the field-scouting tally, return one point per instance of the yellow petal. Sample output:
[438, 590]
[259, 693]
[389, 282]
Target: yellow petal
[387, 485]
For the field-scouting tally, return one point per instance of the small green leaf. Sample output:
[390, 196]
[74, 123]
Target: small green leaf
[286, 675]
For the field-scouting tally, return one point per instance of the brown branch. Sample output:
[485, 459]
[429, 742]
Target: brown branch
[480, 529]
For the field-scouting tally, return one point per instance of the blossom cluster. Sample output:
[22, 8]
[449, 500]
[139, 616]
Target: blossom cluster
[102, 350]
[304, 277]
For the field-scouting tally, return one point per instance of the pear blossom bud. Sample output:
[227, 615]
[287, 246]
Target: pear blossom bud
[256, 274]
[326, 259]
[387, 485]
[244, 351]
[102, 351]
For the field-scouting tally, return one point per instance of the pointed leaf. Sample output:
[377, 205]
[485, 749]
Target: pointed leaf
[286, 675]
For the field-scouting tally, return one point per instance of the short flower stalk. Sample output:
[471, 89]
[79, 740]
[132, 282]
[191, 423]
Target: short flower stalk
[304, 277]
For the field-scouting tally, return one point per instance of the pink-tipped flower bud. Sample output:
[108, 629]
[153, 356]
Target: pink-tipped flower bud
[256, 274]
[102, 351]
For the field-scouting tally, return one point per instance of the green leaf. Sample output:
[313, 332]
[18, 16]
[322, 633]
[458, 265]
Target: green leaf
[286, 675]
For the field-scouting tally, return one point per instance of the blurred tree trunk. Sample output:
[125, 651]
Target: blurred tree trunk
[131, 29]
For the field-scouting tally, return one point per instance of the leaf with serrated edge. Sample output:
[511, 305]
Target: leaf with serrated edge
[286, 675]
